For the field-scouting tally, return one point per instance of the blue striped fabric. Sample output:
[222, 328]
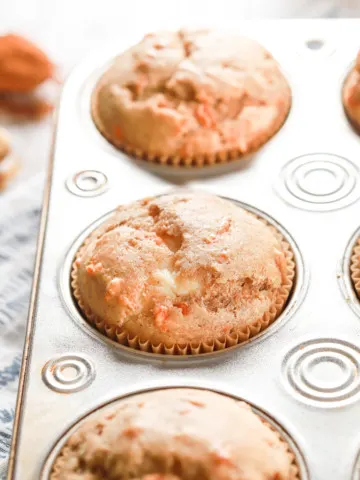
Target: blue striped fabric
[19, 220]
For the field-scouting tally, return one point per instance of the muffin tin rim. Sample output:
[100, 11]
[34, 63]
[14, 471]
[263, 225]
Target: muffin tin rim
[297, 295]
[275, 421]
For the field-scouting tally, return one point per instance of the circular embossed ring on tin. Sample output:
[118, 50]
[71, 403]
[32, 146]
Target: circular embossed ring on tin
[324, 371]
[295, 298]
[319, 182]
[87, 183]
[294, 448]
[68, 373]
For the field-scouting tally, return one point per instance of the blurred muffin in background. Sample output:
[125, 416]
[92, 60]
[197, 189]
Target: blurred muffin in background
[9, 164]
[351, 95]
[23, 68]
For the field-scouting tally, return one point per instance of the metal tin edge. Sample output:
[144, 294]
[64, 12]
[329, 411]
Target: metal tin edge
[33, 299]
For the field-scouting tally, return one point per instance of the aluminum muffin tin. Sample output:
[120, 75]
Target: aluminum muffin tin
[303, 373]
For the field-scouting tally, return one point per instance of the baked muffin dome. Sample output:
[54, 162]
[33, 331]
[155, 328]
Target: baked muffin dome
[351, 94]
[191, 97]
[175, 434]
[185, 270]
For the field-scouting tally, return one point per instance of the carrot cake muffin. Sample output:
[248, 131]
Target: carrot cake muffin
[351, 94]
[191, 98]
[182, 273]
[175, 434]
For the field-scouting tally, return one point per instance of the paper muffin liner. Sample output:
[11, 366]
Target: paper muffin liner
[355, 267]
[201, 160]
[57, 467]
[294, 468]
[295, 474]
[121, 336]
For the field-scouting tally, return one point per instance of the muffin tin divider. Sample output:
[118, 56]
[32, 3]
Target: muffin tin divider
[306, 374]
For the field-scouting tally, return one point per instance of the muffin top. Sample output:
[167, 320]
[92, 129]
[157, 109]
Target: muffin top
[175, 434]
[191, 93]
[351, 93]
[180, 268]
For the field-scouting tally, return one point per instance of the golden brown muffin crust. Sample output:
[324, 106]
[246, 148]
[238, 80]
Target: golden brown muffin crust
[190, 94]
[175, 434]
[179, 269]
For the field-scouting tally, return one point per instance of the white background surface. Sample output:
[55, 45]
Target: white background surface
[68, 29]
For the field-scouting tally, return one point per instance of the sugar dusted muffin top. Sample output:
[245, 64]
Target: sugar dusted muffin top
[182, 268]
[191, 97]
[175, 434]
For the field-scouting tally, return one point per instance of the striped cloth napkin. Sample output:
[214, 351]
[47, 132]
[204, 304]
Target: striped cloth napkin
[19, 221]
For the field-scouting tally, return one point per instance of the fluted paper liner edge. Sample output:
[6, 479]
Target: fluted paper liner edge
[121, 336]
[355, 267]
[294, 467]
[195, 161]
